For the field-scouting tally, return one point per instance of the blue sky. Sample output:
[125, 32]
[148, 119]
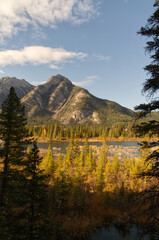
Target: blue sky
[92, 42]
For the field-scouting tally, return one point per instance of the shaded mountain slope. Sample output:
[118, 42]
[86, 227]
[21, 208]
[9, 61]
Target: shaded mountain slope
[22, 87]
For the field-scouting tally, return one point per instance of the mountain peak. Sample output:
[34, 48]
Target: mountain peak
[60, 100]
[58, 78]
[22, 87]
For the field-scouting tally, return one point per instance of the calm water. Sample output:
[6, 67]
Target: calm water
[61, 146]
[126, 148]
[114, 233]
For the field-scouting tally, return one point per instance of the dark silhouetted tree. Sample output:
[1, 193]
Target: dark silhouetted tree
[150, 88]
[36, 214]
[14, 135]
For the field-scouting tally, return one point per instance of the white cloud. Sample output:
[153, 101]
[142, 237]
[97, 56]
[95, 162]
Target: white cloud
[35, 83]
[101, 57]
[53, 66]
[1, 72]
[17, 15]
[89, 80]
[37, 55]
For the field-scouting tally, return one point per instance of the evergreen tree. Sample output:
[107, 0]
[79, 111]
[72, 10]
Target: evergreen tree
[108, 176]
[13, 135]
[48, 163]
[115, 171]
[82, 159]
[61, 192]
[100, 171]
[151, 87]
[36, 214]
[86, 147]
[89, 162]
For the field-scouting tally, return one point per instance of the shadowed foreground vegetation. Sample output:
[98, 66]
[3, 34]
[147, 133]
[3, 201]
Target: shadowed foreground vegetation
[68, 196]
[88, 189]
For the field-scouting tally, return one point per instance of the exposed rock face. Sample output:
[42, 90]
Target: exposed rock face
[48, 98]
[60, 100]
[95, 117]
[22, 87]
[64, 102]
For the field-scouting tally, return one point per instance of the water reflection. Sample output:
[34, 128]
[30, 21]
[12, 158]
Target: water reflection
[114, 233]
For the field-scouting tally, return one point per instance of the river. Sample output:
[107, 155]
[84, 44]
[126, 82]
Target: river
[120, 148]
[114, 233]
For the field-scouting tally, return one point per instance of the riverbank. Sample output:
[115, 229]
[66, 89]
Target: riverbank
[94, 139]
[97, 139]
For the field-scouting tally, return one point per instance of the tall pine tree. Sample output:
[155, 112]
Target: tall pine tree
[14, 135]
[36, 215]
[151, 87]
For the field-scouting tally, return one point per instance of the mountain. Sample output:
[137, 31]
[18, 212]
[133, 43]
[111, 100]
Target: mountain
[58, 99]
[22, 87]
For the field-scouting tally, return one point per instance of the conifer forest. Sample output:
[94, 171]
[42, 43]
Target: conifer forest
[50, 196]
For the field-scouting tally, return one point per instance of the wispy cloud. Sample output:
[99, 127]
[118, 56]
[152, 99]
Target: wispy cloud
[16, 15]
[38, 55]
[36, 83]
[1, 72]
[89, 80]
[53, 66]
[101, 57]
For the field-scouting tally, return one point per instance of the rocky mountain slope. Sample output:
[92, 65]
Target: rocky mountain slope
[22, 87]
[58, 99]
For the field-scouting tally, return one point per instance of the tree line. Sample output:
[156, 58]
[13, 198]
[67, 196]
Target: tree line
[119, 130]
[59, 131]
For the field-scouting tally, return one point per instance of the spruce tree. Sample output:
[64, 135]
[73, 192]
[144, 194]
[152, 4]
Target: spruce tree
[150, 88]
[36, 214]
[48, 163]
[14, 135]
[100, 171]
